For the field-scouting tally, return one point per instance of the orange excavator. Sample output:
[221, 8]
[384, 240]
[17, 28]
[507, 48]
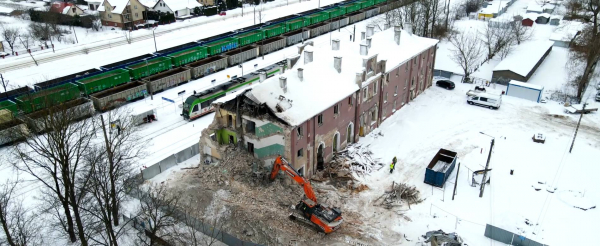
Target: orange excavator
[325, 219]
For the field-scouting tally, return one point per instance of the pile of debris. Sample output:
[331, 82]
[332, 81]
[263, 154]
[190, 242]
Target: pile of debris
[398, 194]
[357, 159]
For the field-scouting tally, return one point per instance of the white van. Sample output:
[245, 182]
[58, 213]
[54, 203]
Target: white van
[485, 100]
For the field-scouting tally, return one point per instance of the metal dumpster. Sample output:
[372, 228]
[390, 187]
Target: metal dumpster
[440, 167]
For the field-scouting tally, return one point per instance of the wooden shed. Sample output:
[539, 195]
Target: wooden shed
[542, 19]
[527, 22]
[522, 62]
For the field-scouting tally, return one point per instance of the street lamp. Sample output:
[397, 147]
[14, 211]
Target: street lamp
[487, 164]
[242, 67]
[155, 49]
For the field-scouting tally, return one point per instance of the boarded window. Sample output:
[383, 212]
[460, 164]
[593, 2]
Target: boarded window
[350, 100]
[300, 152]
[336, 109]
[299, 131]
[250, 126]
[320, 119]
[250, 147]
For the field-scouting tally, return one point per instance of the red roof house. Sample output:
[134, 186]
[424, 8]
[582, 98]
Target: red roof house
[66, 8]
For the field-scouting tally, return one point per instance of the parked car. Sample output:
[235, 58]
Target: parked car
[4, 54]
[485, 100]
[223, 13]
[598, 86]
[445, 84]
[598, 97]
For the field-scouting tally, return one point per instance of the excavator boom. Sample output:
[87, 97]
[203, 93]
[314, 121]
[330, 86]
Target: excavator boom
[325, 218]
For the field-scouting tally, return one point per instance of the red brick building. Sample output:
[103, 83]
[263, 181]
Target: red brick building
[328, 99]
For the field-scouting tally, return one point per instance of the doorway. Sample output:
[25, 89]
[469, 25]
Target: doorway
[349, 133]
[231, 140]
[336, 141]
[229, 121]
[320, 160]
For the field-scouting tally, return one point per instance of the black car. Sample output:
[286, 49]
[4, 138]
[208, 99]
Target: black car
[445, 84]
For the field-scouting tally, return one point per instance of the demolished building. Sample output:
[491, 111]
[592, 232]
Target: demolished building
[328, 98]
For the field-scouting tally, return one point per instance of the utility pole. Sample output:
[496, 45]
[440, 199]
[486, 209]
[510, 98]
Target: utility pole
[487, 164]
[3, 84]
[577, 129]
[148, 71]
[75, 33]
[155, 49]
[354, 34]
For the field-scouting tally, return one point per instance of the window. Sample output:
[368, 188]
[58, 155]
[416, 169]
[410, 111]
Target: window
[336, 109]
[74, 10]
[412, 82]
[300, 132]
[385, 98]
[415, 61]
[405, 83]
[250, 126]
[394, 109]
[396, 91]
[109, 16]
[300, 152]
[374, 114]
[422, 69]
[213, 137]
[384, 112]
[134, 6]
[251, 147]
[195, 108]
[320, 119]
[350, 100]
[375, 88]
[483, 99]
[365, 93]
[397, 72]
[136, 14]
[406, 67]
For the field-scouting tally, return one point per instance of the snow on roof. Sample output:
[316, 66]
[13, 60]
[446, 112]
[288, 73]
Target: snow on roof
[524, 57]
[149, 3]
[560, 17]
[118, 6]
[545, 15]
[494, 7]
[531, 16]
[5, 9]
[526, 85]
[567, 30]
[182, 4]
[533, 6]
[322, 86]
[66, 10]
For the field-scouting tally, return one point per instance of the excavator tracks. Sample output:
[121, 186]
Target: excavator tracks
[297, 216]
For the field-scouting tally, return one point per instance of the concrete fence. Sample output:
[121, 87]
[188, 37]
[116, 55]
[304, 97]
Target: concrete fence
[170, 161]
[507, 237]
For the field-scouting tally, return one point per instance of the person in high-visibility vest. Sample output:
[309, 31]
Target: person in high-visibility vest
[393, 164]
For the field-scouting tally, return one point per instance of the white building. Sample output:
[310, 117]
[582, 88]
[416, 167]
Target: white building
[524, 90]
[93, 4]
[179, 8]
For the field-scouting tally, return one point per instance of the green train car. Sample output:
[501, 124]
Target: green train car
[336, 12]
[366, 3]
[317, 18]
[188, 56]
[352, 8]
[250, 37]
[55, 95]
[379, 1]
[149, 67]
[295, 24]
[103, 81]
[10, 106]
[275, 30]
[218, 47]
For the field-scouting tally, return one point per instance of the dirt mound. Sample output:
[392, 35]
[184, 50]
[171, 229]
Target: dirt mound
[235, 194]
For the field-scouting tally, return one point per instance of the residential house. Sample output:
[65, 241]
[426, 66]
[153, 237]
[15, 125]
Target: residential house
[122, 13]
[179, 8]
[66, 8]
[329, 99]
[93, 5]
[208, 2]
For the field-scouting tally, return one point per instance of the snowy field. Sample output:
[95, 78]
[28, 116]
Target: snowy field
[167, 36]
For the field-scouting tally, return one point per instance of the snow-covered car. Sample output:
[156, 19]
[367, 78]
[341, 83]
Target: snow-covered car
[598, 86]
[4, 54]
[598, 97]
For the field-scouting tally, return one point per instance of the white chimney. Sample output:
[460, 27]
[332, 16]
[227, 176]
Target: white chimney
[408, 27]
[362, 35]
[364, 50]
[262, 76]
[281, 69]
[283, 83]
[308, 56]
[370, 31]
[359, 78]
[335, 44]
[397, 33]
[301, 74]
[369, 42]
[337, 63]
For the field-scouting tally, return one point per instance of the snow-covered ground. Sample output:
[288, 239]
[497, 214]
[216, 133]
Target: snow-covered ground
[167, 36]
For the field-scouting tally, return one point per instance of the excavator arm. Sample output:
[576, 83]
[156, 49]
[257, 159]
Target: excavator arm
[282, 164]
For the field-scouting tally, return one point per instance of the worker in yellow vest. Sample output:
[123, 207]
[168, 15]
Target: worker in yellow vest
[392, 166]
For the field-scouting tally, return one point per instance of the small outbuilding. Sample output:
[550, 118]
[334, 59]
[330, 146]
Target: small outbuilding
[533, 7]
[555, 20]
[527, 22]
[522, 62]
[524, 90]
[543, 19]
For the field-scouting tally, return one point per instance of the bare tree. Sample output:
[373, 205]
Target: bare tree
[127, 35]
[20, 227]
[466, 52]
[496, 40]
[584, 54]
[10, 35]
[56, 160]
[520, 32]
[5, 83]
[157, 207]
[193, 219]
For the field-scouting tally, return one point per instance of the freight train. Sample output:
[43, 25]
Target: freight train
[113, 84]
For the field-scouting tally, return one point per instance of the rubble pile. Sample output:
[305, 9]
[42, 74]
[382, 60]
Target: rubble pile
[236, 192]
[398, 194]
[357, 159]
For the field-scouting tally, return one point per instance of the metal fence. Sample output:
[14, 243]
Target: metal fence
[442, 73]
[198, 225]
[171, 161]
[507, 237]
